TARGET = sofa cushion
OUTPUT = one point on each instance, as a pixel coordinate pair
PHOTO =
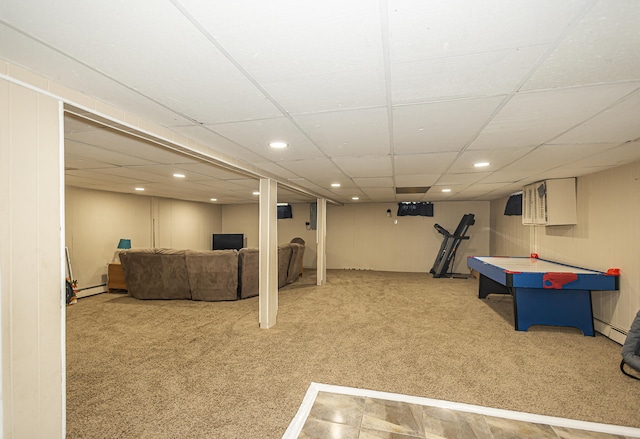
(213, 275)
(248, 272)
(156, 273)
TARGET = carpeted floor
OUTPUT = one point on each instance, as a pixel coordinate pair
(181, 369)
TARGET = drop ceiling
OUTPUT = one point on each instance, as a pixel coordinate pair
(374, 95)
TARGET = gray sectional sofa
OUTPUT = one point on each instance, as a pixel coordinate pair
(203, 275)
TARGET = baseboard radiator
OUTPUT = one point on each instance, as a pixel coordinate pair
(90, 291)
(613, 332)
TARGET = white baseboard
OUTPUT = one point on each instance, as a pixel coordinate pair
(91, 291)
(615, 334)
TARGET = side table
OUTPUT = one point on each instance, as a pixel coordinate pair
(115, 278)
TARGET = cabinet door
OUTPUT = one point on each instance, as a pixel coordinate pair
(561, 202)
(540, 195)
(528, 207)
(550, 202)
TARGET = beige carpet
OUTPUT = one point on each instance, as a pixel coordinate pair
(182, 369)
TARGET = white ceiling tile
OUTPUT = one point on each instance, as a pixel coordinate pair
(109, 175)
(276, 169)
(316, 73)
(70, 73)
(290, 39)
(373, 182)
(365, 166)
(485, 187)
(84, 155)
(423, 163)
(437, 127)
(330, 91)
(618, 123)
(379, 193)
(455, 179)
(615, 156)
(548, 157)
(510, 176)
(416, 180)
(497, 158)
(348, 133)
(147, 71)
(256, 135)
(602, 48)
(425, 30)
(82, 178)
(125, 144)
(477, 75)
(531, 119)
(217, 143)
(321, 172)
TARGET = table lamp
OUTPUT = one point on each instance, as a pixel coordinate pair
(123, 244)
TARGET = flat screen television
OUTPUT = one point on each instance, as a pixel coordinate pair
(228, 241)
(284, 211)
(514, 205)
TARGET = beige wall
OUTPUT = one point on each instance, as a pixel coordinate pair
(31, 264)
(96, 220)
(186, 224)
(508, 236)
(361, 236)
(606, 236)
(242, 218)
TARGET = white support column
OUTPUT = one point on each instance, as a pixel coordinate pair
(321, 239)
(31, 264)
(268, 253)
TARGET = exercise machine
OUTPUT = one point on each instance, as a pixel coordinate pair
(450, 242)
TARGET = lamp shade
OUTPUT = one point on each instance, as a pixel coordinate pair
(124, 244)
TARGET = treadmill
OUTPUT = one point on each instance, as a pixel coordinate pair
(450, 243)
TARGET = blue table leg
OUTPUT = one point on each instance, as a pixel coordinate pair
(539, 306)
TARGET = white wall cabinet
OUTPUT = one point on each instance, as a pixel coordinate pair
(550, 202)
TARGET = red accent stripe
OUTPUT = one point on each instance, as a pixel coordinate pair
(557, 281)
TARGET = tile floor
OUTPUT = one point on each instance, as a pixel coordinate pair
(360, 415)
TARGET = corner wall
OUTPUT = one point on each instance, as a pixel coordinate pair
(96, 220)
(606, 236)
(508, 236)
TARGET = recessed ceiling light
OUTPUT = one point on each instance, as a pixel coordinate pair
(355, 198)
(256, 193)
(278, 145)
(335, 184)
(481, 164)
(139, 188)
(446, 190)
(214, 199)
(179, 175)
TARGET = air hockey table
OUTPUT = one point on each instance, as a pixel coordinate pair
(544, 292)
